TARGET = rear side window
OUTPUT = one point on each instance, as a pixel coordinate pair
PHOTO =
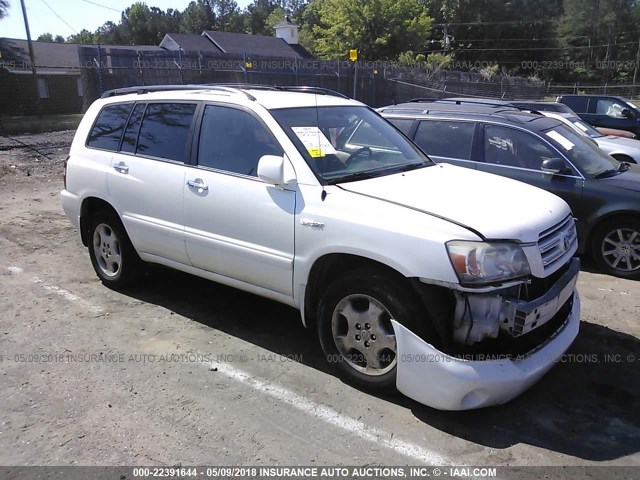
(577, 104)
(107, 131)
(165, 130)
(446, 139)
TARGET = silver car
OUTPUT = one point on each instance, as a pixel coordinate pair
(622, 149)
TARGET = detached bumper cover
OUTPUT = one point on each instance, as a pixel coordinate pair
(438, 380)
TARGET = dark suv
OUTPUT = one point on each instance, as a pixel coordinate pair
(605, 111)
(604, 194)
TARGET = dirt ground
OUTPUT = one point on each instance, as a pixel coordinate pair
(184, 371)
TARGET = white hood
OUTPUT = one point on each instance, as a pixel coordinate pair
(494, 206)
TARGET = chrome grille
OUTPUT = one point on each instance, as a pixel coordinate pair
(555, 242)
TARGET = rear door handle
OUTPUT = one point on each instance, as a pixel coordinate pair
(197, 183)
(121, 167)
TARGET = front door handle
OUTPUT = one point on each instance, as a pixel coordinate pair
(197, 183)
(121, 167)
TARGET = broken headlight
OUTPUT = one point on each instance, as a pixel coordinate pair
(480, 262)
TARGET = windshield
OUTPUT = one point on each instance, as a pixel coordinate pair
(583, 154)
(343, 144)
(632, 107)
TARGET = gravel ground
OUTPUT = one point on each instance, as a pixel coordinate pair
(247, 384)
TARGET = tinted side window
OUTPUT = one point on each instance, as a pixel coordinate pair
(514, 148)
(108, 128)
(403, 125)
(165, 130)
(577, 104)
(131, 133)
(610, 107)
(233, 140)
(446, 139)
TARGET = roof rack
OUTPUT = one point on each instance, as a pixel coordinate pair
(166, 88)
(284, 88)
(238, 88)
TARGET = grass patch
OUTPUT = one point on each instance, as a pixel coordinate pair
(33, 124)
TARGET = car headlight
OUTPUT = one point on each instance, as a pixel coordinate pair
(480, 262)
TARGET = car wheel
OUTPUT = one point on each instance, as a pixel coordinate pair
(112, 255)
(354, 326)
(616, 248)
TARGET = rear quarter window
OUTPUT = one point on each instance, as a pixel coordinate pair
(107, 131)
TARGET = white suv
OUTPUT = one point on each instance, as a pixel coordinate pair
(454, 286)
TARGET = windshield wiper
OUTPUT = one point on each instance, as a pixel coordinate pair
(351, 177)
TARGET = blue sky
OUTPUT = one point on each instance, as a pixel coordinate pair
(78, 14)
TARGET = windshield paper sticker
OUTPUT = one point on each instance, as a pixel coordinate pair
(316, 143)
(565, 142)
(580, 126)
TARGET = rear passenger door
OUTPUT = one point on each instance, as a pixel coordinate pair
(236, 225)
(449, 141)
(146, 177)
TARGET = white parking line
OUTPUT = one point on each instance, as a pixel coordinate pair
(67, 295)
(332, 417)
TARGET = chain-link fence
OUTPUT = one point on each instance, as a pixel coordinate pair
(62, 92)
(631, 92)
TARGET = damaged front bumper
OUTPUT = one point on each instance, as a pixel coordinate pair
(436, 379)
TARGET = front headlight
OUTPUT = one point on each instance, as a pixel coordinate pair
(480, 262)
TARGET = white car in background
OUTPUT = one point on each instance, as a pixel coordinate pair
(622, 149)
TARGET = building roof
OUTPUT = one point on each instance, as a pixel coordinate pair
(259, 45)
(51, 58)
(188, 42)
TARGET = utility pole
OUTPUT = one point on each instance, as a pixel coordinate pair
(32, 58)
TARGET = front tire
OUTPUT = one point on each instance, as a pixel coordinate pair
(354, 326)
(113, 257)
(616, 248)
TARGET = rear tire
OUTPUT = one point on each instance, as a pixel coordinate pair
(354, 326)
(616, 248)
(113, 257)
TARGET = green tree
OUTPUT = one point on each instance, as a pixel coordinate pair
(84, 36)
(602, 37)
(228, 17)
(378, 29)
(197, 17)
(146, 25)
(258, 13)
(59, 39)
(45, 37)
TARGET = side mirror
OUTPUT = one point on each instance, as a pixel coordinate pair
(627, 113)
(555, 166)
(275, 170)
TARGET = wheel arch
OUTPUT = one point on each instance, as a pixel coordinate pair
(89, 206)
(616, 215)
(330, 265)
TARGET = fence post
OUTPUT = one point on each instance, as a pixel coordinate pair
(605, 87)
